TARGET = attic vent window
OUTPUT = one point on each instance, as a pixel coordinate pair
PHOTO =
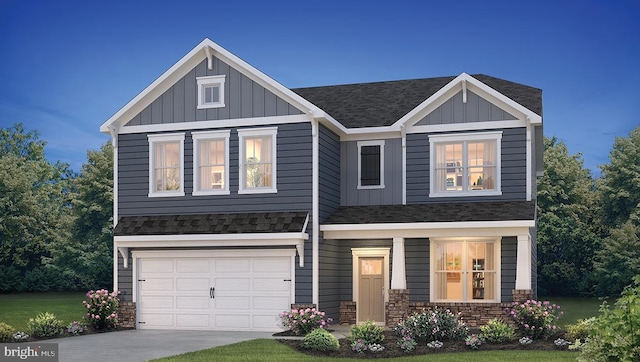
(211, 91)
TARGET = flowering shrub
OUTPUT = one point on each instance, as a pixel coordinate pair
(20, 336)
(45, 325)
(497, 331)
(368, 332)
(359, 346)
(435, 344)
(580, 330)
(436, 324)
(473, 341)
(302, 321)
(535, 319)
(75, 328)
(102, 308)
(6, 332)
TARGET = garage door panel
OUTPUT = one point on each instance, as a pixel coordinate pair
(272, 265)
(264, 321)
(232, 321)
(270, 303)
(193, 320)
(240, 303)
(156, 302)
(271, 284)
(156, 285)
(193, 284)
(199, 302)
(193, 265)
(156, 266)
(158, 320)
(232, 284)
(233, 265)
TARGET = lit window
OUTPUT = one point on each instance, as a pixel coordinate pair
(370, 164)
(211, 91)
(465, 165)
(257, 160)
(465, 271)
(166, 160)
(211, 162)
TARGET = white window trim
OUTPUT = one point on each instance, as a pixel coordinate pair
(371, 143)
(257, 132)
(209, 136)
(210, 81)
(450, 138)
(153, 139)
(432, 272)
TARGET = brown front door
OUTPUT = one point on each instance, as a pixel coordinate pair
(371, 294)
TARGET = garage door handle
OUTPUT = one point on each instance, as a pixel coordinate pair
(211, 290)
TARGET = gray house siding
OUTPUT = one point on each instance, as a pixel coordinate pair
(293, 178)
(477, 109)
(508, 249)
(513, 169)
(243, 98)
(330, 277)
(417, 268)
(329, 172)
(392, 191)
(125, 279)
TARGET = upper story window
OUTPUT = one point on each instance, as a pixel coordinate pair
(465, 165)
(211, 91)
(257, 160)
(370, 164)
(166, 165)
(210, 162)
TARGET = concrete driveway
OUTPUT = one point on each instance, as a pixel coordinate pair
(143, 345)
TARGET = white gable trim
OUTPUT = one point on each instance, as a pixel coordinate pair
(205, 50)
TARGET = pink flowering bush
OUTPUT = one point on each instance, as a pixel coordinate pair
(535, 319)
(433, 325)
(302, 321)
(102, 308)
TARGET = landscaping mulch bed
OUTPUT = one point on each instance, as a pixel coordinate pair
(87, 330)
(391, 348)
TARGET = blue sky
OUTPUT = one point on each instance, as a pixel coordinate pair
(67, 66)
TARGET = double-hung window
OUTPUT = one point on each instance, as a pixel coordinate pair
(370, 164)
(210, 162)
(211, 91)
(258, 160)
(166, 165)
(465, 165)
(465, 270)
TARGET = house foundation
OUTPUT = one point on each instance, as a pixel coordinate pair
(127, 315)
(347, 312)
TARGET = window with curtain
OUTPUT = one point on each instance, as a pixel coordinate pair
(166, 169)
(211, 162)
(466, 271)
(257, 168)
(465, 166)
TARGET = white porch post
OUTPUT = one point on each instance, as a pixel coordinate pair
(398, 276)
(523, 263)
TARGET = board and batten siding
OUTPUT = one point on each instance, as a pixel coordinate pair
(477, 109)
(512, 168)
(293, 178)
(329, 172)
(391, 194)
(243, 98)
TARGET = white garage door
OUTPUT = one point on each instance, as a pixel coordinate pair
(213, 292)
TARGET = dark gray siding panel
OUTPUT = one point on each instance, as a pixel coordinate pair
(390, 194)
(508, 249)
(513, 169)
(417, 269)
(477, 109)
(293, 178)
(125, 279)
(329, 172)
(329, 278)
(244, 98)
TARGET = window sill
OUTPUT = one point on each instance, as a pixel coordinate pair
(373, 187)
(166, 194)
(472, 301)
(465, 193)
(258, 191)
(208, 106)
(208, 193)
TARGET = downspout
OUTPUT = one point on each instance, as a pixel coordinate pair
(114, 142)
(315, 281)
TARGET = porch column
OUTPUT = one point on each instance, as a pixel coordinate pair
(523, 263)
(398, 276)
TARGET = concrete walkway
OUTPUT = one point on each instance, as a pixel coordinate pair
(143, 345)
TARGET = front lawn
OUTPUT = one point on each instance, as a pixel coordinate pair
(16, 309)
(272, 350)
(575, 308)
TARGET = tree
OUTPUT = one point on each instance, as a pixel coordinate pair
(618, 261)
(35, 209)
(86, 257)
(567, 238)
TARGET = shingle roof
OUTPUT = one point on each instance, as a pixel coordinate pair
(270, 222)
(434, 212)
(383, 103)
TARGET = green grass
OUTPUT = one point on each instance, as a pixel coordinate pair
(16, 309)
(575, 308)
(271, 350)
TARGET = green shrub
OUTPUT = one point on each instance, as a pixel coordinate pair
(6, 332)
(368, 332)
(615, 335)
(580, 330)
(535, 319)
(432, 325)
(45, 325)
(497, 331)
(320, 340)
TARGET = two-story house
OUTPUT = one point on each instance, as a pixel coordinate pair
(237, 198)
